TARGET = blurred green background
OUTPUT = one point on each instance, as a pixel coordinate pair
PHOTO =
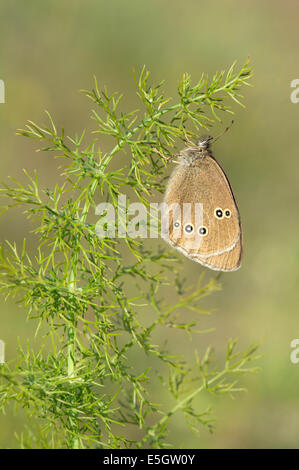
(51, 49)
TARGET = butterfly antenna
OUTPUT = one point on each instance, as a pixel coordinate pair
(222, 133)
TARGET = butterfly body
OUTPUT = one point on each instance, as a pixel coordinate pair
(203, 220)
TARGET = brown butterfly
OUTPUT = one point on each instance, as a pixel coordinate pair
(201, 217)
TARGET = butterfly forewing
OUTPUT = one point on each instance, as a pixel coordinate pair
(212, 235)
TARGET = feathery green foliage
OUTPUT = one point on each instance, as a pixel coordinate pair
(100, 301)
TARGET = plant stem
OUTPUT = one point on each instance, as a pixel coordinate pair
(71, 331)
(71, 364)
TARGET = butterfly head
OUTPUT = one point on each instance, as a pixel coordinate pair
(204, 142)
(194, 153)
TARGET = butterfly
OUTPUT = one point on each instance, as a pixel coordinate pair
(201, 218)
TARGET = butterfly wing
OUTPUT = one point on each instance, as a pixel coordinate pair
(215, 240)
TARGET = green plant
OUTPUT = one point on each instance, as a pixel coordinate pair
(99, 302)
